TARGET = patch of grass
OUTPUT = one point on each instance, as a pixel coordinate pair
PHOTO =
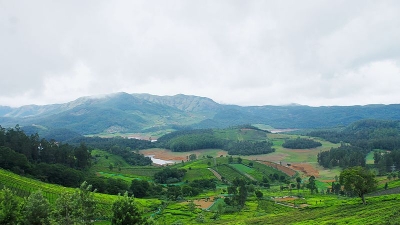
(228, 173)
(242, 168)
(24, 186)
(196, 174)
(327, 174)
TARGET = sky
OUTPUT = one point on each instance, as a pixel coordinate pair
(242, 52)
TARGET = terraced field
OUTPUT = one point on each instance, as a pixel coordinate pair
(23, 186)
(229, 173)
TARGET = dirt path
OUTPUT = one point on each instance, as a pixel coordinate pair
(216, 174)
(249, 176)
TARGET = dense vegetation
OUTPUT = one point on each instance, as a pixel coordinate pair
(58, 163)
(168, 175)
(343, 156)
(187, 140)
(108, 143)
(369, 134)
(301, 143)
(362, 137)
(387, 161)
(124, 147)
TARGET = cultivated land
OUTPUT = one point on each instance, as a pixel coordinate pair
(277, 206)
(303, 161)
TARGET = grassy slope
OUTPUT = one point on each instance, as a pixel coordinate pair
(379, 210)
(241, 134)
(199, 169)
(127, 172)
(23, 186)
(322, 209)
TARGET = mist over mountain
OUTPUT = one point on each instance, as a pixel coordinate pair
(122, 112)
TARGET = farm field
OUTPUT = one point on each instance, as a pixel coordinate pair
(276, 207)
(121, 169)
(165, 154)
(304, 161)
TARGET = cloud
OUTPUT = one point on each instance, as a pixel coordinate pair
(236, 52)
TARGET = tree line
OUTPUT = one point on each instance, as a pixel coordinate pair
(369, 134)
(301, 143)
(183, 141)
(387, 161)
(343, 156)
(358, 139)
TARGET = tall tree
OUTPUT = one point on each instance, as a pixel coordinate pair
(86, 204)
(75, 208)
(125, 211)
(82, 156)
(311, 184)
(9, 207)
(36, 210)
(358, 180)
(64, 209)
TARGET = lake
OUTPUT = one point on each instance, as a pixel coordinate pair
(159, 161)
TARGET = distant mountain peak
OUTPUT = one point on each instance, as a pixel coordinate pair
(293, 104)
(183, 102)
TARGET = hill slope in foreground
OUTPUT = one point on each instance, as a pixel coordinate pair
(274, 208)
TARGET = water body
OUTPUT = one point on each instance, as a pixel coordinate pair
(159, 161)
(276, 131)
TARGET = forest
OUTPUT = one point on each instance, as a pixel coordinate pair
(357, 140)
(301, 143)
(187, 140)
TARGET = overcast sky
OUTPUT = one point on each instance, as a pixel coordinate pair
(235, 52)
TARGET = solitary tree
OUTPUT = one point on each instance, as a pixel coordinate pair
(36, 210)
(75, 208)
(311, 184)
(298, 181)
(125, 211)
(259, 194)
(358, 180)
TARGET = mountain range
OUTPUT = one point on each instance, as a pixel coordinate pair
(123, 113)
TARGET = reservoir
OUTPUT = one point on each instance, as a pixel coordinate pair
(159, 161)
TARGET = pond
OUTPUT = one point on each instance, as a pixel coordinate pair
(159, 161)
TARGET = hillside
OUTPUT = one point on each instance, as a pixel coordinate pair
(143, 113)
(188, 103)
(209, 187)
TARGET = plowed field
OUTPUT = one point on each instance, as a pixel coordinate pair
(306, 168)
